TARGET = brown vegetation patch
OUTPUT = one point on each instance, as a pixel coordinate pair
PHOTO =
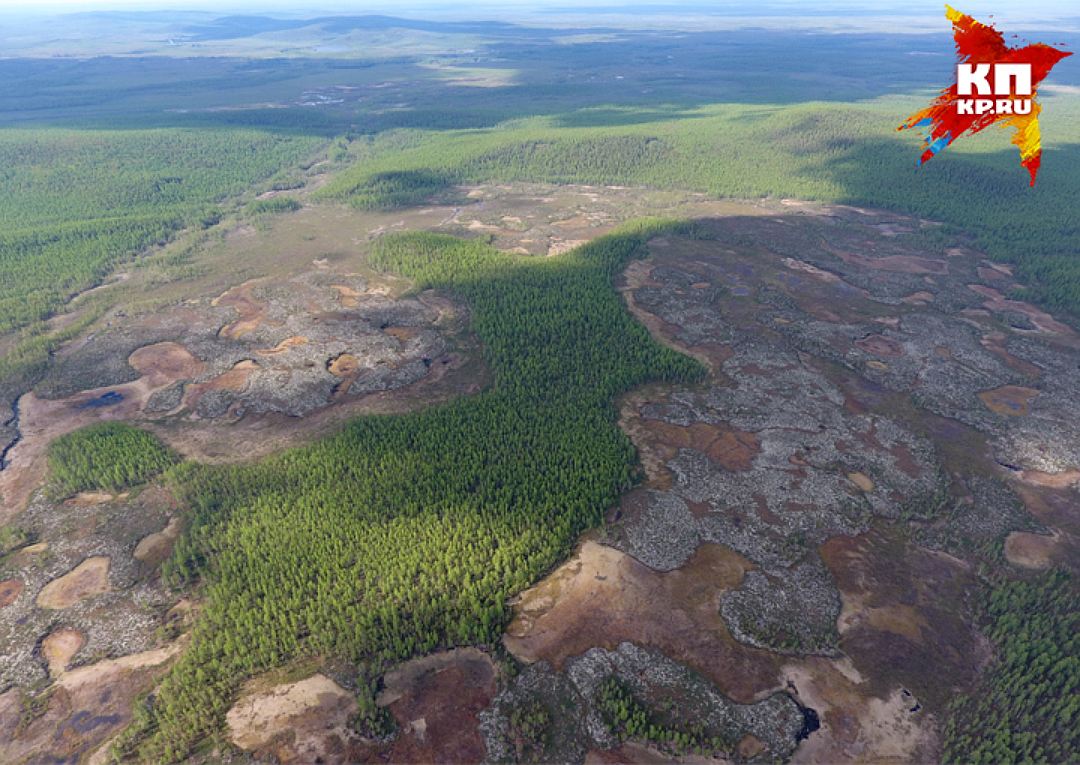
(603, 597)
(402, 334)
(906, 603)
(10, 590)
(898, 619)
(250, 311)
(879, 345)
(921, 297)
(817, 273)
(1010, 400)
(305, 721)
(731, 449)
(348, 368)
(559, 246)
(992, 275)
(103, 670)
(1035, 551)
(347, 296)
(578, 222)
(1046, 323)
(154, 548)
(634, 753)
(345, 365)
(905, 460)
(862, 481)
(84, 709)
(89, 578)
(995, 343)
(165, 363)
(234, 380)
(435, 700)
(284, 345)
(652, 453)
(901, 264)
(750, 746)
(1062, 480)
(89, 499)
(59, 647)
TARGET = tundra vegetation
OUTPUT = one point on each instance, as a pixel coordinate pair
(77, 203)
(814, 151)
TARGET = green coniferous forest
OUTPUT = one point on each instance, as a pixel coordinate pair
(108, 455)
(1027, 708)
(407, 533)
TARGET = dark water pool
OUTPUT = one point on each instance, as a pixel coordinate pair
(105, 399)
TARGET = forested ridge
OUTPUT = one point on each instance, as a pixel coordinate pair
(408, 533)
(823, 152)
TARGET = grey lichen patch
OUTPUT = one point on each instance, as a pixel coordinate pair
(665, 535)
(663, 685)
(820, 470)
(793, 610)
(543, 693)
(165, 400)
(264, 347)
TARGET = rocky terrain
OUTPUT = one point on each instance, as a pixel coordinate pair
(879, 422)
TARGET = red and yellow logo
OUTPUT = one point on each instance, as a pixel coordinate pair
(995, 85)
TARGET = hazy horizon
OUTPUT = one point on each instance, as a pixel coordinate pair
(919, 17)
(770, 7)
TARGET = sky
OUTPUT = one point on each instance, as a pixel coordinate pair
(885, 7)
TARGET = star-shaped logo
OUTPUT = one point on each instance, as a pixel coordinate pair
(996, 85)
